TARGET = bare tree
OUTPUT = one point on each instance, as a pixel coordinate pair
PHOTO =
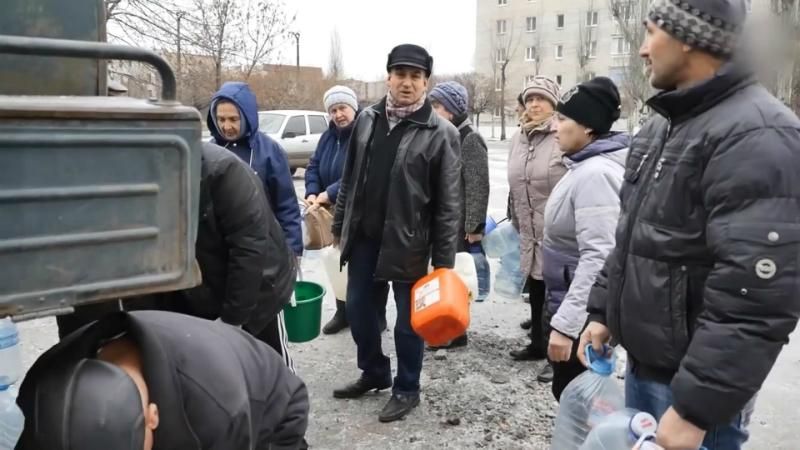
(635, 86)
(785, 52)
(587, 40)
(335, 58)
(504, 45)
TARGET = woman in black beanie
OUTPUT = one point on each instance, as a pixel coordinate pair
(581, 216)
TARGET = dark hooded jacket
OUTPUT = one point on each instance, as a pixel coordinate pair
(216, 387)
(702, 288)
(264, 155)
(324, 171)
(248, 270)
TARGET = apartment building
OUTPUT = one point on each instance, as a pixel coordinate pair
(568, 40)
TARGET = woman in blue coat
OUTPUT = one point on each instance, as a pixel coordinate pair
(324, 171)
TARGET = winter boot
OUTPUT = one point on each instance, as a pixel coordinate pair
(339, 320)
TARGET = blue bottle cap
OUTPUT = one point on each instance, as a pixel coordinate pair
(599, 364)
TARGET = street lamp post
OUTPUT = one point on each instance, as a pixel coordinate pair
(296, 36)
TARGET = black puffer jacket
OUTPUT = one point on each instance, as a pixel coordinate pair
(702, 288)
(248, 269)
(423, 211)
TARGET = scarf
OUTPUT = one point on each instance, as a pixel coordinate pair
(395, 113)
(531, 126)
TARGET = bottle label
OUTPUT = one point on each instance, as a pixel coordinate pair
(426, 295)
(9, 341)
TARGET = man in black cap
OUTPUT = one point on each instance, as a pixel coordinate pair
(702, 288)
(160, 380)
(399, 208)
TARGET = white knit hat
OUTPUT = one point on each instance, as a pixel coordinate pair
(340, 94)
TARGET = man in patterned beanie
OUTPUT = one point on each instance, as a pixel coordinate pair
(702, 288)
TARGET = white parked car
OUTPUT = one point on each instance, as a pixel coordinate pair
(297, 131)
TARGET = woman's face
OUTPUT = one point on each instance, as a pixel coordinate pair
(538, 107)
(570, 135)
(342, 115)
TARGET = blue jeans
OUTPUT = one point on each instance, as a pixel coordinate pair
(655, 398)
(484, 273)
(365, 297)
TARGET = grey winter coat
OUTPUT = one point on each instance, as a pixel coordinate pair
(475, 176)
(702, 289)
(534, 167)
(579, 224)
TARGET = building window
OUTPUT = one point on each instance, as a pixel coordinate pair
(530, 24)
(559, 79)
(592, 18)
(589, 75)
(502, 2)
(498, 84)
(620, 46)
(530, 54)
(559, 51)
(592, 49)
(501, 55)
(560, 21)
(501, 26)
(617, 75)
(528, 80)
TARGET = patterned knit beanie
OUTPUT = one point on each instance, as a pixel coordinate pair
(709, 25)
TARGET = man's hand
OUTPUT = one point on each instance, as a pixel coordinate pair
(473, 238)
(559, 348)
(595, 334)
(676, 433)
(311, 199)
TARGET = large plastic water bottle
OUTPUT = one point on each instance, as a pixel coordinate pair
(11, 418)
(621, 430)
(587, 401)
(10, 355)
(502, 240)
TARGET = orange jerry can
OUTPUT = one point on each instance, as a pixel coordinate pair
(440, 307)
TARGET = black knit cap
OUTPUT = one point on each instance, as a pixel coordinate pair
(90, 405)
(410, 55)
(594, 104)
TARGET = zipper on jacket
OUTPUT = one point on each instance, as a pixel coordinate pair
(632, 222)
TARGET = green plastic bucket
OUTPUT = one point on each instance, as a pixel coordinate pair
(304, 320)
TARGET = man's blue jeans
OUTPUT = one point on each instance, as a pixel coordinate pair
(655, 398)
(365, 297)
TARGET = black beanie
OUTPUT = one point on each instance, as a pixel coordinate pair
(594, 104)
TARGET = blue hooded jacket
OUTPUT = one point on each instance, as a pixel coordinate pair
(265, 156)
(324, 171)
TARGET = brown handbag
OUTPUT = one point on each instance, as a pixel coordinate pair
(318, 228)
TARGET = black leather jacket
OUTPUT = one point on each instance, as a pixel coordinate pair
(424, 200)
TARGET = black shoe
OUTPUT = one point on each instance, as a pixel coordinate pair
(361, 387)
(339, 320)
(546, 374)
(398, 407)
(528, 353)
(460, 341)
(526, 325)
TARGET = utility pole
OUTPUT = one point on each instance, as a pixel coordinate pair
(296, 35)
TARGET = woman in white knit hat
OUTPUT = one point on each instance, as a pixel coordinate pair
(324, 171)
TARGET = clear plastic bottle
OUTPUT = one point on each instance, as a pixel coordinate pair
(11, 418)
(10, 355)
(586, 402)
(621, 430)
